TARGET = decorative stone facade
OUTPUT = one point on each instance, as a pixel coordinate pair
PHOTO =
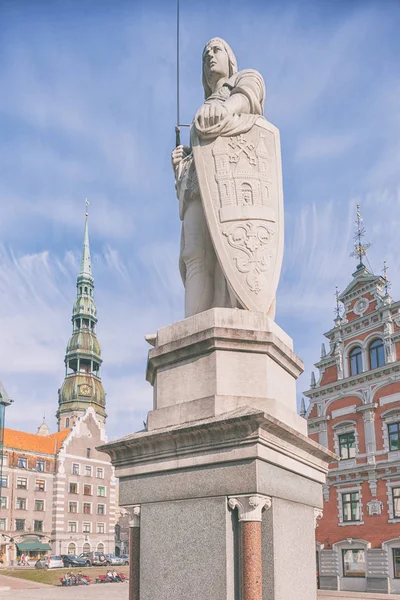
(354, 410)
(58, 489)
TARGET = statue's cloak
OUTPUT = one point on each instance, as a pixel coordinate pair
(239, 175)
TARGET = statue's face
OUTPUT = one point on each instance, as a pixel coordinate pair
(216, 62)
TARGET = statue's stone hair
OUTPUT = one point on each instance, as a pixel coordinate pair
(233, 68)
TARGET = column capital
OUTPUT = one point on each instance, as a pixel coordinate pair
(318, 513)
(250, 506)
(134, 514)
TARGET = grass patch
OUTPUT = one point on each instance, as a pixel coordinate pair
(52, 576)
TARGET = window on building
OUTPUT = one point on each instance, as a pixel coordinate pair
(21, 504)
(396, 502)
(39, 504)
(347, 445)
(100, 473)
(22, 462)
(5, 459)
(4, 481)
(87, 508)
(67, 425)
(118, 532)
(376, 354)
(73, 507)
(39, 487)
(73, 488)
(3, 502)
(20, 524)
(100, 527)
(86, 548)
(37, 525)
(396, 562)
(394, 436)
(71, 549)
(71, 526)
(86, 527)
(3, 524)
(351, 506)
(87, 452)
(88, 471)
(100, 548)
(101, 509)
(355, 361)
(75, 469)
(353, 563)
(22, 483)
(40, 465)
(87, 490)
(101, 490)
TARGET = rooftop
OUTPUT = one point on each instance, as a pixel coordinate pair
(32, 442)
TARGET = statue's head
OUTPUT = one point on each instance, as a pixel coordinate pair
(218, 62)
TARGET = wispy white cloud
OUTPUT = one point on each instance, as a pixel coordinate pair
(323, 147)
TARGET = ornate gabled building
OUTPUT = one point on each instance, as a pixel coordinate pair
(58, 492)
(354, 410)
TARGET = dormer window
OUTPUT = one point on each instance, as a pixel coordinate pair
(355, 361)
(376, 354)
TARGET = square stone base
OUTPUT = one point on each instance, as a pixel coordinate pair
(218, 361)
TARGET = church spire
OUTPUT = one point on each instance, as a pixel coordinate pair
(86, 265)
(82, 385)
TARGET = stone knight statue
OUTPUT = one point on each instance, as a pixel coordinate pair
(229, 186)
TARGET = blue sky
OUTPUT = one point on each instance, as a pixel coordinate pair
(87, 109)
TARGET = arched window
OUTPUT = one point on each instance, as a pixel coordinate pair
(67, 425)
(71, 549)
(100, 548)
(376, 354)
(86, 548)
(355, 361)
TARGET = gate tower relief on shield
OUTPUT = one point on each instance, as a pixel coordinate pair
(229, 186)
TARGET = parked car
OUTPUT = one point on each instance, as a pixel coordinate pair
(54, 562)
(125, 559)
(41, 563)
(72, 560)
(95, 558)
(112, 559)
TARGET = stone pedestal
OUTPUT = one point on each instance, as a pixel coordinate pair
(225, 477)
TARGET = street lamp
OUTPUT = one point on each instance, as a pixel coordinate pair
(4, 401)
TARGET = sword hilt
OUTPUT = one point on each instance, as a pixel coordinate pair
(177, 136)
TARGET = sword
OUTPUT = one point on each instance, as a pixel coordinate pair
(178, 120)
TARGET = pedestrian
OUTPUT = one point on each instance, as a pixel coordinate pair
(81, 578)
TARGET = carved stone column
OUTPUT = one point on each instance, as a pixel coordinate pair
(134, 553)
(250, 517)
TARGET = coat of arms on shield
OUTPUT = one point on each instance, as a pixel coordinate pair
(240, 180)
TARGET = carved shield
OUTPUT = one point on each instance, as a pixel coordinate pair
(240, 180)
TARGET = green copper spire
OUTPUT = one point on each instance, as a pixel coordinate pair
(82, 385)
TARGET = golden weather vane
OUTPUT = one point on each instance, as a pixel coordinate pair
(360, 249)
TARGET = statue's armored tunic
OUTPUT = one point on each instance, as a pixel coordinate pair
(234, 102)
